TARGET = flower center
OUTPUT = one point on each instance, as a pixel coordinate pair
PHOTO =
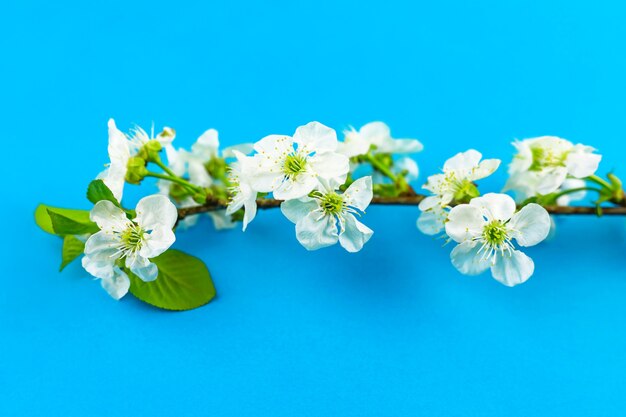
(495, 233)
(332, 204)
(294, 165)
(132, 239)
(546, 158)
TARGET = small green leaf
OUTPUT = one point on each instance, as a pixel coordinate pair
(63, 225)
(44, 221)
(98, 191)
(72, 249)
(184, 283)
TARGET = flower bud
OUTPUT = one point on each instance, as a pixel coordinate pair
(217, 168)
(150, 151)
(136, 170)
(200, 197)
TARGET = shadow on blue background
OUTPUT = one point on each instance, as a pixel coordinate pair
(390, 331)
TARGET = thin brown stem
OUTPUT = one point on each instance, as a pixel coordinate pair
(411, 199)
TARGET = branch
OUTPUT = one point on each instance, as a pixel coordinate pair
(404, 200)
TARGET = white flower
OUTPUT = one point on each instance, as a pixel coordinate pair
(131, 243)
(376, 136)
(542, 164)
(241, 192)
(485, 229)
(293, 167)
(122, 148)
(456, 181)
(328, 216)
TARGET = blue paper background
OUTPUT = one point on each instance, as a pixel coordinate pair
(393, 330)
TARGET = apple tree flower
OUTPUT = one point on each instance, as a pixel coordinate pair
(241, 192)
(292, 167)
(326, 216)
(376, 137)
(542, 165)
(123, 147)
(485, 230)
(456, 183)
(124, 243)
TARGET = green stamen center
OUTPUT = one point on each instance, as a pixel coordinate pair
(132, 238)
(294, 165)
(332, 203)
(495, 233)
(546, 158)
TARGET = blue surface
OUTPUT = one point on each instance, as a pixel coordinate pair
(391, 331)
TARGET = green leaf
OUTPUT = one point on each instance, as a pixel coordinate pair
(72, 249)
(184, 283)
(98, 191)
(44, 220)
(63, 225)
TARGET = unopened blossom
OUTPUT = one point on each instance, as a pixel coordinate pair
(122, 148)
(327, 216)
(455, 183)
(376, 137)
(292, 167)
(241, 192)
(542, 165)
(485, 230)
(122, 242)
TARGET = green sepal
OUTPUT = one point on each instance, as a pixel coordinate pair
(98, 191)
(72, 249)
(184, 283)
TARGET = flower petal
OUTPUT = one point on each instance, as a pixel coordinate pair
(221, 220)
(513, 269)
(156, 211)
(432, 222)
(530, 225)
(207, 145)
(331, 166)
(485, 168)
(157, 242)
(297, 187)
(464, 223)
(355, 234)
(359, 194)
(407, 165)
(551, 179)
(315, 137)
(145, 270)
(108, 216)
(495, 206)
(296, 210)
(463, 161)
(117, 285)
(315, 231)
(274, 145)
(581, 162)
(353, 144)
(467, 260)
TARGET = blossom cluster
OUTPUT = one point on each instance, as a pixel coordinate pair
(324, 186)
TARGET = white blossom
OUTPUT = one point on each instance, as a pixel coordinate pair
(328, 216)
(456, 181)
(241, 191)
(542, 165)
(292, 167)
(121, 148)
(129, 243)
(485, 229)
(376, 136)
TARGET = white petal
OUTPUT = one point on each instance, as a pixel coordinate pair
(353, 144)
(315, 137)
(243, 148)
(157, 242)
(551, 179)
(119, 148)
(530, 225)
(467, 260)
(299, 187)
(331, 166)
(463, 161)
(166, 137)
(156, 211)
(266, 182)
(359, 194)
(355, 234)
(175, 160)
(296, 210)
(581, 162)
(198, 174)
(117, 285)
(464, 223)
(409, 165)
(432, 222)
(98, 268)
(249, 212)
(274, 145)
(222, 221)
(102, 246)
(400, 146)
(429, 203)
(513, 269)
(144, 269)
(315, 231)
(375, 133)
(485, 168)
(495, 206)
(207, 145)
(108, 216)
